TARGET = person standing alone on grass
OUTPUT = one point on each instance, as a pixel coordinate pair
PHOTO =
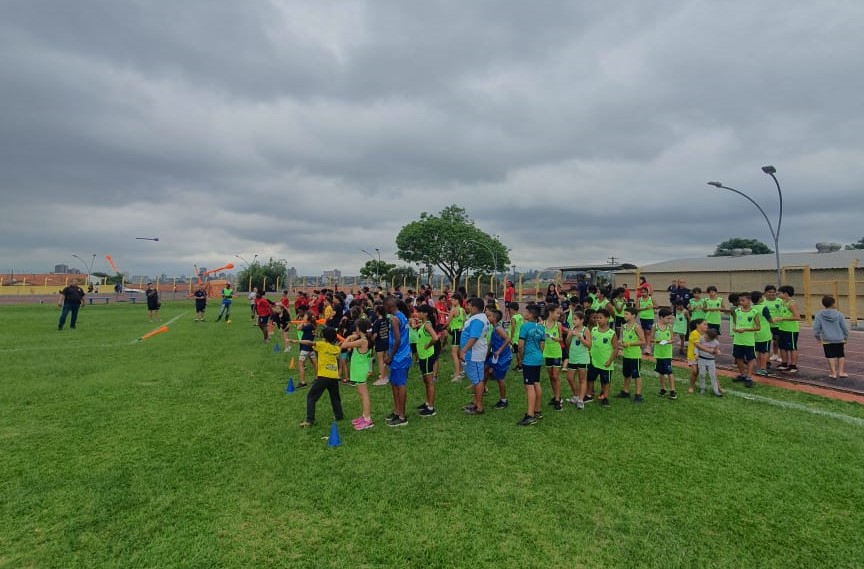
(227, 297)
(153, 303)
(71, 300)
(473, 348)
(829, 327)
(328, 375)
(200, 297)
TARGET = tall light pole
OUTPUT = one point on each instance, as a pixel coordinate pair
(494, 258)
(88, 268)
(775, 234)
(373, 260)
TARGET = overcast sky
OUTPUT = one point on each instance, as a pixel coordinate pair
(311, 130)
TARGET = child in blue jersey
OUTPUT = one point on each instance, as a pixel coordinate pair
(532, 337)
(500, 355)
(398, 358)
(473, 349)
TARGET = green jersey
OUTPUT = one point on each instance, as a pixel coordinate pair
(663, 333)
(516, 326)
(458, 321)
(764, 333)
(361, 363)
(629, 335)
(745, 319)
(774, 307)
(680, 325)
(697, 308)
(646, 308)
(618, 305)
(786, 312)
(552, 346)
(602, 347)
(713, 316)
(578, 353)
(423, 338)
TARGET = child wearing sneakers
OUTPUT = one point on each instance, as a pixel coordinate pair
(473, 349)
(328, 375)
(662, 335)
(604, 350)
(789, 325)
(829, 327)
(500, 356)
(360, 363)
(744, 342)
(516, 320)
(632, 340)
(707, 349)
(699, 328)
(578, 358)
(426, 340)
(681, 326)
(763, 336)
(532, 337)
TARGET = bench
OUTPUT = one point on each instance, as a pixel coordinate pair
(107, 299)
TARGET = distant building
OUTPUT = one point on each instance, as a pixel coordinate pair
(332, 275)
(61, 269)
(291, 274)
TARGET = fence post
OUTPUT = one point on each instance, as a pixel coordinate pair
(478, 286)
(520, 286)
(805, 276)
(852, 294)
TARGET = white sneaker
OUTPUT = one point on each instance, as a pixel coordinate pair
(775, 358)
(574, 400)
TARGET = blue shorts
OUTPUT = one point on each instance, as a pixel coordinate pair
(500, 369)
(553, 362)
(663, 366)
(473, 371)
(647, 325)
(399, 377)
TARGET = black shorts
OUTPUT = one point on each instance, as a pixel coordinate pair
(437, 346)
(763, 347)
(455, 337)
(428, 365)
(715, 327)
(630, 367)
(834, 350)
(515, 348)
(573, 366)
(552, 362)
(663, 366)
(414, 349)
(746, 353)
(788, 341)
(619, 321)
(200, 306)
(382, 345)
(530, 374)
(595, 373)
(647, 325)
(775, 333)
(263, 320)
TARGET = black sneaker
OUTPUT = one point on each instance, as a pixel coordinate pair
(421, 407)
(623, 395)
(538, 415)
(473, 411)
(557, 405)
(588, 399)
(391, 416)
(552, 402)
(638, 399)
(428, 412)
(662, 393)
(302, 385)
(397, 422)
(502, 404)
(783, 367)
(673, 394)
(526, 421)
(604, 401)
(748, 383)
(793, 369)
(739, 379)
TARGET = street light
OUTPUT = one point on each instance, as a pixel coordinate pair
(377, 280)
(89, 268)
(775, 235)
(494, 259)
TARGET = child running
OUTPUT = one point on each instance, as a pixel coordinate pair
(426, 340)
(531, 340)
(604, 350)
(578, 358)
(263, 309)
(328, 376)
(361, 362)
(662, 335)
(500, 356)
(227, 298)
(632, 340)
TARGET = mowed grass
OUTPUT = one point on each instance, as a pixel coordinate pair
(184, 451)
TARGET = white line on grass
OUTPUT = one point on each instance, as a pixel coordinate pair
(797, 406)
(172, 321)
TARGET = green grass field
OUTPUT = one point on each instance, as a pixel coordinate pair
(184, 451)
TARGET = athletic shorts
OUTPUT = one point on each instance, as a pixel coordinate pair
(499, 370)
(428, 365)
(663, 366)
(595, 373)
(473, 371)
(436, 348)
(715, 327)
(530, 374)
(775, 333)
(574, 366)
(553, 362)
(746, 353)
(399, 376)
(834, 350)
(630, 367)
(763, 347)
(619, 321)
(647, 325)
(381, 345)
(343, 354)
(788, 340)
(455, 337)
(307, 354)
(515, 348)
(263, 320)
(414, 349)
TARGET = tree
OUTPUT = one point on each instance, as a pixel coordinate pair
(258, 274)
(377, 270)
(857, 245)
(451, 242)
(403, 274)
(726, 248)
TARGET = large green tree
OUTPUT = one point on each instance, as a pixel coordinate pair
(377, 269)
(451, 242)
(726, 248)
(262, 275)
(857, 245)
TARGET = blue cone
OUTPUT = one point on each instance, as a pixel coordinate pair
(333, 440)
(290, 387)
(276, 347)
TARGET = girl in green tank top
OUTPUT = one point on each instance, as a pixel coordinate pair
(360, 367)
(579, 358)
(456, 321)
(552, 352)
(426, 339)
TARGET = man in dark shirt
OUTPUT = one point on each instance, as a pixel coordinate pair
(71, 299)
(678, 292)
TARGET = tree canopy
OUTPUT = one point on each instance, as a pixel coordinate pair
(377, 269)
(726, 249)
(451, 242)
(857, 245)
(272, 273)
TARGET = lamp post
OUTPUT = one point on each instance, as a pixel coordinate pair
(775, 234)
(373, 260)
(494, 258)
(88, 268)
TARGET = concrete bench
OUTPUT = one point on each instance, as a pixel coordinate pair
(105, 299)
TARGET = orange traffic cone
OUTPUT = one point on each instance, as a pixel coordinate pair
(292, 364)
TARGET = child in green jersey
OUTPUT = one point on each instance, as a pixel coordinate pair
(696, 306)
(426, 339)
(604, 350)
(789, 324)
(516, 320)
(645, 304)
(553, 352)
(578, 358)
(773, 303)
(361, 362)
(681, 326)
(763, 336)
(631, 342)
(744, 342)
(713, 306)
(662, 335)
(454, 324)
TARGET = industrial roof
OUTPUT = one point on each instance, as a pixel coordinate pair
(836, 260)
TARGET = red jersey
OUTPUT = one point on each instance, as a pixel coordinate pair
(262, 307)
(509, 293)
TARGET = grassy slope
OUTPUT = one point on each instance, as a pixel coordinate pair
(184, 450)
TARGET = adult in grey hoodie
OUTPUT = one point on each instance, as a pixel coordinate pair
(829, 327)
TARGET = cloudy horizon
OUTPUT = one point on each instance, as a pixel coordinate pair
(310, 131)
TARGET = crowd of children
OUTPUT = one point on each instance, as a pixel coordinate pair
(580, 338)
